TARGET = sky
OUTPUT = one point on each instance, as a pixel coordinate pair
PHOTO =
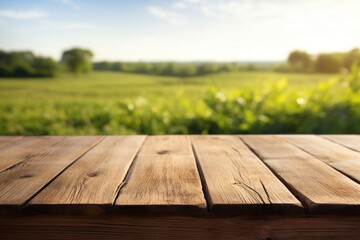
(180, 30)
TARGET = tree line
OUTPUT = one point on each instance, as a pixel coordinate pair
(27, 64)
(173, 68)
(301, 61)
(78, 60)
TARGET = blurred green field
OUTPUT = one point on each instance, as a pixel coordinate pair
(100, 86)
(228, 103)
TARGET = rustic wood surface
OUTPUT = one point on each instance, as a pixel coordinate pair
(6, 140)
(26, 148)
(33, 171)
(164, 177)
(215, 186)
(236, 179)
(178, 227)
(339, 157)
(320, 187)
(350, 141)
(93, 182)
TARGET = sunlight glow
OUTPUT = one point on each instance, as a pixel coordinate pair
(220, 30)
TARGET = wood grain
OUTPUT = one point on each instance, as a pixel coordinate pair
(339, 157)
(35, 169)
(91, 184)
(163, 178)
(350, 141)
(322, 188)
(24, 149)
(237, 181)
(6, 140)
(175, 227)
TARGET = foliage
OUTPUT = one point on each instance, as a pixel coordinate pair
(352, 58)
(178, 69)
(327, 63)
(300, 61)
(26, 64)
(282, 106)
(78, 60)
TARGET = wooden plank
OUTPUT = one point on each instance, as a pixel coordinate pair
(339, 157)
(22, 181)
(350, 141)
(91, 184)
(23, 149)
(163, 179)
(237, 181)
(322, 188)
(179, 227)
(4, 140)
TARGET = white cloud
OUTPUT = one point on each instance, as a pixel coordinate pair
(179, 5)
(182, 4)
(258, 29)
(70, 25)
(69, 3)
(256, 11)
(171, 17)
(23, 15)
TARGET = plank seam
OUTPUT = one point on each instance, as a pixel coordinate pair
(302, 198)
(204, 186)
(339, 143)
(127, 175)
(338, 170)
(63, 170)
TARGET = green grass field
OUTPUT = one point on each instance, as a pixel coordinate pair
(101, 86)
(237, 102)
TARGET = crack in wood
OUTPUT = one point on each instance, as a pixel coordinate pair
(252, 190)
(266, 192)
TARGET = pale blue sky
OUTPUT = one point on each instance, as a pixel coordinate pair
(183, 30)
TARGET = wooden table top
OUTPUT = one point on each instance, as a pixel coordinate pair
(181, 174)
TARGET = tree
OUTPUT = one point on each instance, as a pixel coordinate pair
(327, 63)
(351, 58)
(300, 60)
(78, 60)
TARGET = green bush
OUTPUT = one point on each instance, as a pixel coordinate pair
(26, 64)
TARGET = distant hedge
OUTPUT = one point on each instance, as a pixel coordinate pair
(301, 61)
(176, 69)
(26, 64)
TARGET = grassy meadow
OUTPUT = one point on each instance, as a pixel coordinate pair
(234, 102)
(114, 86)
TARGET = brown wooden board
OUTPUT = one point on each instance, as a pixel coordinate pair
(25, 148)
(36, 169)
(6, 140)
(177, 227)
(163, 179)
(237, 181)
(337, 156)
(91, 184)
(320, 187)
(350, 141)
